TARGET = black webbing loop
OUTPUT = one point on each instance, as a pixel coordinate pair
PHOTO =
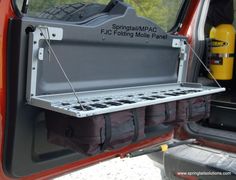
(107, 132)
(206, 107)
(136, 125)
(190, 109)
(167, 112)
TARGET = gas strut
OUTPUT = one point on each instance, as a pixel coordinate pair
(163, 148)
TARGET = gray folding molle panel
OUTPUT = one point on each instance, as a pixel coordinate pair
(115, 62)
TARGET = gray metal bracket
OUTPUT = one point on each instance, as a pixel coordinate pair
(120, 99)
(36, 53)
(109, 100)
(183, 58)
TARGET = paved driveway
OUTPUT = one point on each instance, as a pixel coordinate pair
(139, 168)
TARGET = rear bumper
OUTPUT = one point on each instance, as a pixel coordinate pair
(196, 162)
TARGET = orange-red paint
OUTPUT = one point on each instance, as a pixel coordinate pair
(189, 18)
(216, 145)
(6, 12)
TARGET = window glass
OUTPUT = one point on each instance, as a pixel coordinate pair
(162, 12)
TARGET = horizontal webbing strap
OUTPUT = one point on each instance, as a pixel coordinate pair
(221, 55)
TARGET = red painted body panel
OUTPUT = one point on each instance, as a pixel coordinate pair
(189, 19)
(6, 12)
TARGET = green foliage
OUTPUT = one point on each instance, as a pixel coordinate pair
(162, 12)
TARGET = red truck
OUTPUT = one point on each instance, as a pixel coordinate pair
(81, 83)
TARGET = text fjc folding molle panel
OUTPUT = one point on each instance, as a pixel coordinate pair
(107, 64)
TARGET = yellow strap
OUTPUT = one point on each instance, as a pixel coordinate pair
(164, 147)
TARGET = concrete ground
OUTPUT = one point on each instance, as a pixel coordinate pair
(139, 168)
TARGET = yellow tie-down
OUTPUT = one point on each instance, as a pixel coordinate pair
(222, 51)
